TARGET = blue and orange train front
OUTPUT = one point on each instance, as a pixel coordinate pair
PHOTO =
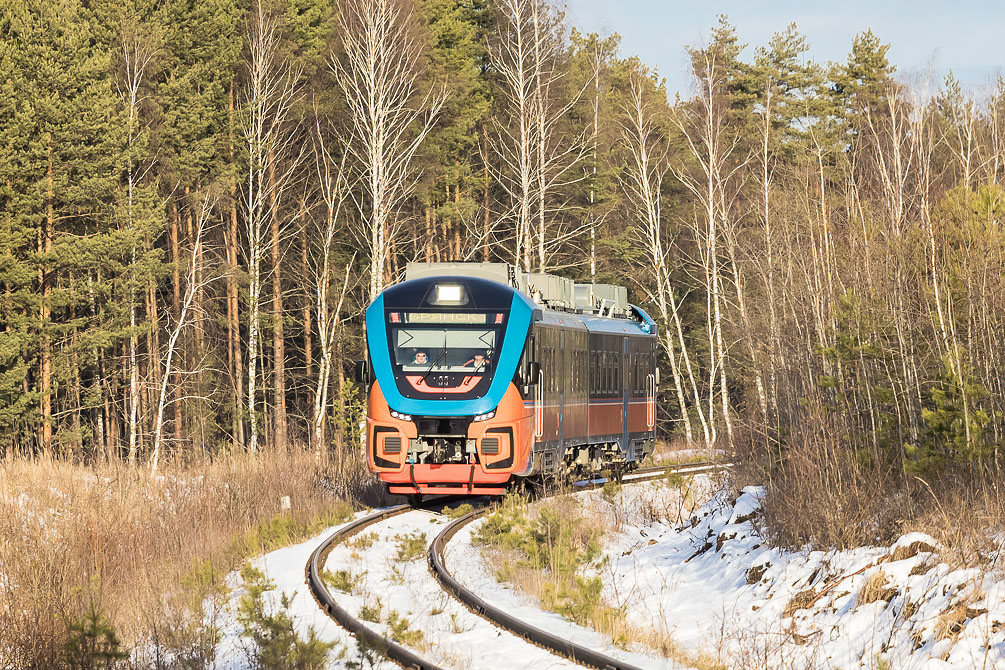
(445, 413)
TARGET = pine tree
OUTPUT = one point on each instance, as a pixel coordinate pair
(60, 167)
(449, 191)
(193, 143)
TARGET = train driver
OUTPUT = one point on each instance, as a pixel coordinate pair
(479, 361)
(420, 358)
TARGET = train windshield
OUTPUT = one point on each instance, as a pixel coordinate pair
(445, 352)
(466, 350)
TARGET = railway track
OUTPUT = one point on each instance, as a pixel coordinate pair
(407, 658)
(389, 648)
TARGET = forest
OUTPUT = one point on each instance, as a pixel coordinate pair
(198, 200)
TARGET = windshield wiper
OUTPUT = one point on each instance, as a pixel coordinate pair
(434, 364)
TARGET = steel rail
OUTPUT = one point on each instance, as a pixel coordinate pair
(409, 659)
(554, 643)
(562, 646)
(386, 646)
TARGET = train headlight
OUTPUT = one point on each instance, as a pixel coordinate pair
(486, 416)
(448, 295)
(401, 417)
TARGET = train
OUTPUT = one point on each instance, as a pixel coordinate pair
(481, 377)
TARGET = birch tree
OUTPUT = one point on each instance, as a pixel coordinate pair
(536, 159)
(327, 299)
(710, 148)
(378, 73)
(271, 90)
(195, 281)
(137, 53)
(646, 170)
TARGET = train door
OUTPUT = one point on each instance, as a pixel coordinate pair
(651, 382)
(561, 372)
(551, 369)
(624, 388)
(536, 384)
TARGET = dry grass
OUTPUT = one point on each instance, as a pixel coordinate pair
(876, 588)
(963, 512)
(145, 552)
(822, 495)
(678, 450)
(799, 601)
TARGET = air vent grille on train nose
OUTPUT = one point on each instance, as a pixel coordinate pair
(490, 446)
(392, 445)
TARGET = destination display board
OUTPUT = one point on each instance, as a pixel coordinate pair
(468, 318)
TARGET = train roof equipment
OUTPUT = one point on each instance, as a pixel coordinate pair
(547, 290)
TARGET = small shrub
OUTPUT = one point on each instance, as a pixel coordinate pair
(455, 625)
(363, 541)
(367, 656)
(400, 631)
(610, 489)
(674, 478)
(342, 580)
(457, 512)
(92, 643)
(276, 642)
(371, 612)
(410, 546)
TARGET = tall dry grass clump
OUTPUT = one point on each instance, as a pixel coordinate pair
(820, 493)
(146, 553)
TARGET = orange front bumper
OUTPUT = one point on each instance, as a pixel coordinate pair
(504, 445)
(458, 478)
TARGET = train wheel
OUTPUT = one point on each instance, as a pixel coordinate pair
(415, 499)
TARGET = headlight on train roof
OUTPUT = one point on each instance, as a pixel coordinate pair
(401, 417)
(449, 294)
(485, 417)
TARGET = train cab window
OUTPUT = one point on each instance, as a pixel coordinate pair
(419, 350)
(444, 352)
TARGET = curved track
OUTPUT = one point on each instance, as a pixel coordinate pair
(394, 651)
(562, 646)
(407, 658)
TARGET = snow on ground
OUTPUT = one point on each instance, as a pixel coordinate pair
(708, 579)
(720, 591)
(452, 635)
(467, 566)
(287, 569)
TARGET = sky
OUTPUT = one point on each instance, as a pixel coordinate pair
(965, 36)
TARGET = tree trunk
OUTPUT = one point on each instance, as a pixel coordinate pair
(485, 198)
(174, 382)
(306, 308)
(45, 236)
(233, 306)
(278, 340)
